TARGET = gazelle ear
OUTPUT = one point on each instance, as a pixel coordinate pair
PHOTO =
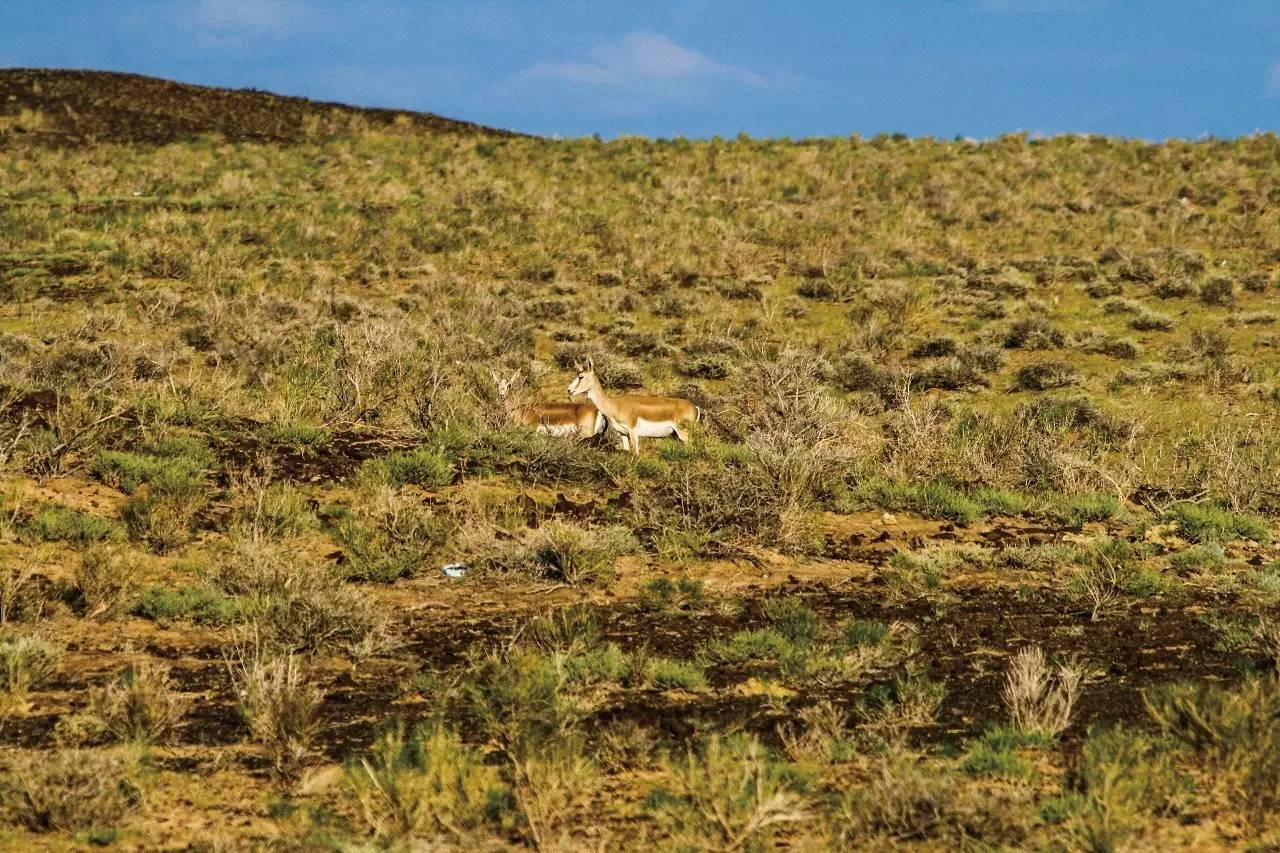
(591, 363)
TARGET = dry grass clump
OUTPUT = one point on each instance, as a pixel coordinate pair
(1040, 700)
(106, 581)
(27, 662)
(422, 786)
(69, 789)
(729, 794)
(140, 706)
(280, 704)
(293, 605)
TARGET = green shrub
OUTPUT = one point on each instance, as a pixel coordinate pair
(659, 594)
(865, 632)
(53, 522)
(163, 515)
(666, 674)
(728, 795)
(424, 786)
(1078, 510)
(995, 753)
(519, 698)
(601, 664)
(200, 605)
(793, 619)
(424, 467)
(1209, 523)
(752, 644)
(1208, 556)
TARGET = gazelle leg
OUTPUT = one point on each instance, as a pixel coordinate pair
(624, 441)
(635, 443)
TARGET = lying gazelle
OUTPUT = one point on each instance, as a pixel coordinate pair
(565, 420)
(636, 416)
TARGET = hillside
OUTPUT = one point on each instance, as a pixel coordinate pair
(976, 547)
(65, 107)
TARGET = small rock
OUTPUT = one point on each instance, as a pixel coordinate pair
(888, 518)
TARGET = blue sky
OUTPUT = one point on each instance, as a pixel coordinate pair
(698, 68)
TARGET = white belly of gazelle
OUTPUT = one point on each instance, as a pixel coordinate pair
(653, 429)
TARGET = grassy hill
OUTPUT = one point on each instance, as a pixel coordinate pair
(974, 548)
(73, 108)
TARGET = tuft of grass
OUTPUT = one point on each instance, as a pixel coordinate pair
(279, 703)
(729, 794)
(1078, 510)
(662, 594)
(666, 674)
(140, 706)
(422, 786)
(198, 604)
(27, 661)
(425, 467)
(53, 522)
(1205, 523)
(68, 790)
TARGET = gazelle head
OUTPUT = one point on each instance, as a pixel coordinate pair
(585, 381)
(504, 385)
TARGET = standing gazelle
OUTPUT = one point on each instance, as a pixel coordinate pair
(636, 416)
(566, 420)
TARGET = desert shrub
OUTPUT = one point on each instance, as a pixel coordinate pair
(139, 706)
(69, 789)
(390, 536)
(271, 510)
(1124, 776)
(200, 605)
(660, 594)
(579, 555)
(1217, 291)
(995, 753)
(548, 781)
(1146, 320)
(294, 606)
(1044, 376)
(1210, 523)
(819, 735)
(793, 619)
(901, 798)
(1034, 333)
(52, 522)
(425, 467)
(28, 661)
(1208, 556)
(421, 786)
(163, 512)
(910, 574)
(1077, 510)
(1040, 700)
(801, 437)
(666, 674)
(105, 581)
(279, 703)
(729, 794)
(22, 596)
(520, 699)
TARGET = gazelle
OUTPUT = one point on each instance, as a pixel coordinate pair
(636, 416)
(566, 420)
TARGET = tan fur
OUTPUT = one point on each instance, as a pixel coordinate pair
(630, 414)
